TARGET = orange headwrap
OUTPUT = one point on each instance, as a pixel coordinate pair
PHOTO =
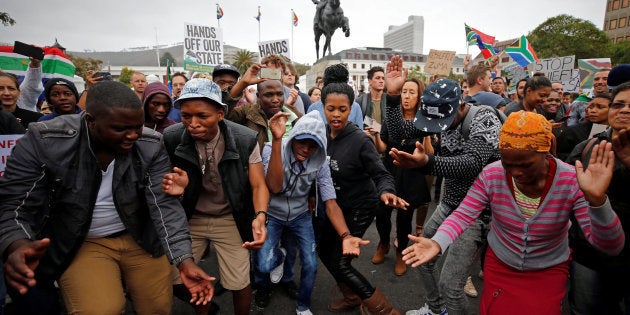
(526, 131)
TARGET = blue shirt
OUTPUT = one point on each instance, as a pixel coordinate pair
(356, 116)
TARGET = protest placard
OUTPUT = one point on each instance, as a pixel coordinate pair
(439, 62)
(203, 47)
(514, 73)
(560, 69)
(7, 142)
(275, 47)
(588, 68)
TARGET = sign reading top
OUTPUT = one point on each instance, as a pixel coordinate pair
(203, 47)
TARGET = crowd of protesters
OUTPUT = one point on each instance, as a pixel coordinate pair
(117, 192)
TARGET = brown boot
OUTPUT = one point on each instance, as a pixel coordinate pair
(381, 251)
(378, 304)
(400, 268)
(350, 300)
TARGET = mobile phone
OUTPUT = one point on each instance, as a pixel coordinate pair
(106, 76)
(28, 50)
(268, 73)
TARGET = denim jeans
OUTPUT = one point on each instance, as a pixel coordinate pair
(448, 291)
(599, 291)
(270, 256)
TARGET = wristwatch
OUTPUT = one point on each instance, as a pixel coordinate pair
(262, 212)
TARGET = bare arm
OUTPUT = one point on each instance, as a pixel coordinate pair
(261, 201)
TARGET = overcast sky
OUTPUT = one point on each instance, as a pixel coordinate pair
(112, 25)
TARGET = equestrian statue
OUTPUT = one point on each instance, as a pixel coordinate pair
(328, 17)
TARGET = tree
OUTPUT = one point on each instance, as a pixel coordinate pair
(165, 56)
(83, 65)
(565, 35)
(6, 19)
(415, 73)
(243, 59)
(125, 75)
(620, 52)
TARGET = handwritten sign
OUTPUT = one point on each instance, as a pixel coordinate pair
(439, 62)
(203, 47)
(560, 69)
(7, 142)
(274, 47)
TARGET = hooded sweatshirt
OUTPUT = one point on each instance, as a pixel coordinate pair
(149, 91)
(292, 200)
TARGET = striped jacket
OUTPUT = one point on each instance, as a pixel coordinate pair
(541, 241)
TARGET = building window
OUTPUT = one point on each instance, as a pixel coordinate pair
(413, 58)
(623, 21)
(354, 66)
(405, 58)
(613, 24)
(349, 55)
(608, 6)
(615, 5)
(373, 57)
(357, 56)
(625, 3)
(505, 59)
(362, 66)
(605, 25)
(457, 70)
(382, 56)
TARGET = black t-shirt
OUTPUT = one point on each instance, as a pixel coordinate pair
(26, 116)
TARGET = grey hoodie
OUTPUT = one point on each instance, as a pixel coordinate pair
(293, 198)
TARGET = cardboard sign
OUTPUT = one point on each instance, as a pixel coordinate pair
(588, 68)
(440, 62)
(560, 69)
(203, 47)
(7, 142)
(275, 47)
(514, 73)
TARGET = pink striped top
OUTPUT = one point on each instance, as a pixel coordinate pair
(542, 240)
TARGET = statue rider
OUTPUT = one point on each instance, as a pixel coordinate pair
(321, 4)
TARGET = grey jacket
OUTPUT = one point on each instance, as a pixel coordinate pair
(50, 186)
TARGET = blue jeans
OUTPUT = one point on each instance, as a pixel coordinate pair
(270, 256)
(449, 290)
(599, 291)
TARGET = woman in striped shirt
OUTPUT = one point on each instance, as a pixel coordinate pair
(531, 195)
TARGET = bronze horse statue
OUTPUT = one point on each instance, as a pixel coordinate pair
(328, 17)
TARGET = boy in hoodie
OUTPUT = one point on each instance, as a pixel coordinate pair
(62, 95)
(292, 165)
(157, 102)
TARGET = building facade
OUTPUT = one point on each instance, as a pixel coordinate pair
(617, 20)
(408, 37)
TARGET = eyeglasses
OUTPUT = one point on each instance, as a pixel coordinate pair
(618, 105)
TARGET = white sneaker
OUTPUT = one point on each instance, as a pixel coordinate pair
(305, 312)
(425, 310)
(276, 274)
(469, 288)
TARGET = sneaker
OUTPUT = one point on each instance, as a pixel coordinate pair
(425, 310)
(304, 312)
(262, 297)
(290, 289)
(276, 274)
(469, 288)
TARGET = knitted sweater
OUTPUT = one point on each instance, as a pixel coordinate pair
(541, 241)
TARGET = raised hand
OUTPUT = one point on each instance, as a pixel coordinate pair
(278, 124)
(293, 95)
(419, 158)
(251, 75)
(392, 200)
(395, 75)
(19, 268)
(421, 251)
(595, 179)
(175, 183)
(351, 245)
(198, 283)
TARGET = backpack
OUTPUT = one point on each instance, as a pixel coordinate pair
(474, 108)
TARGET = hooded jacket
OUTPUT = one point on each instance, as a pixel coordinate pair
(292, 201)
(149, 91)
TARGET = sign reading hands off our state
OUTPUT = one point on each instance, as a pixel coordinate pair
(7, 142)
(560, 69)
(439, 62)
(203, 47)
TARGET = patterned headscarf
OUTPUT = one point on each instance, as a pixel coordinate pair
(526, 131)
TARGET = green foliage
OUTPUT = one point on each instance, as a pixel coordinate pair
(565, 35)
(6, 20)
(414, 72)
(83, 65)
(620, 52)
(301, 69)
(165, 56)
(125, 75)
(243, 60)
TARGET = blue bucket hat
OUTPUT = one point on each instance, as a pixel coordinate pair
(201, 88)
(440, 102)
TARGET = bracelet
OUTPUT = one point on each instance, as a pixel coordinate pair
(344, 235)
(262, 212)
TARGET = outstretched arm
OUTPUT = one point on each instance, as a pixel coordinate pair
(22, 261)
